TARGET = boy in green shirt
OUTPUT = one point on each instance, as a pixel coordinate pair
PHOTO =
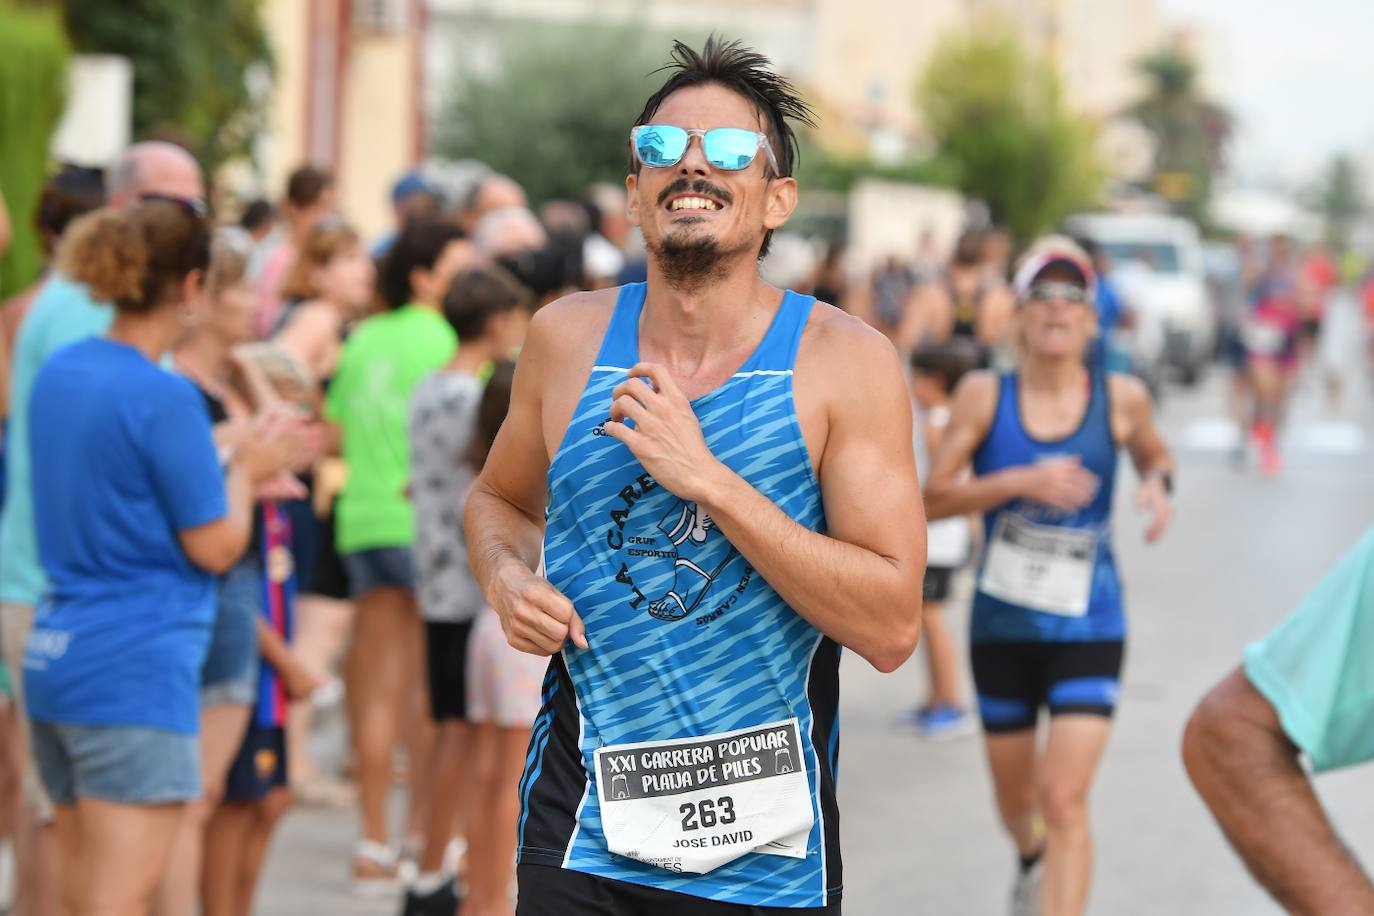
(369, 399)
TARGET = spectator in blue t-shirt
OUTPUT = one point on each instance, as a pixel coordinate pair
(134, 516)
(63, 312)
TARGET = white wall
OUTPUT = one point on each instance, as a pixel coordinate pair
(888, 218)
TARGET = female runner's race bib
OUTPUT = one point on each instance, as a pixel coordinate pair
(1040, 567)
(694, 804)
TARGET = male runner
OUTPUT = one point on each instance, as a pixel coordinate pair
(721, 477)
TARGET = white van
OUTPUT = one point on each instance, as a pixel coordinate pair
(1158, 263)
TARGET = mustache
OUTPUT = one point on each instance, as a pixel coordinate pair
(695, 186)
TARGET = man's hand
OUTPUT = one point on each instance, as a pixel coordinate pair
(536, 617)
(666, 437)
(1152, 498)
(1060, 483)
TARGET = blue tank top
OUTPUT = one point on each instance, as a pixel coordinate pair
(1046, 575)
(686, 639)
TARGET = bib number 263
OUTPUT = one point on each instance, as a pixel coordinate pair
(694, 803)
(707, 813)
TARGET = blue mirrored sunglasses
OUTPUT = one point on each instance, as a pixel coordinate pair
(659, 146)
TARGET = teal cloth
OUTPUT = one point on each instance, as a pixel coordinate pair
(62, 313)
(1317, 667)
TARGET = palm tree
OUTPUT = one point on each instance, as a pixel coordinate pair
(1191, 133)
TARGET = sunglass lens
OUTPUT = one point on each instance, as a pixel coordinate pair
(730, 148)
(660, 145)
(1069, 292)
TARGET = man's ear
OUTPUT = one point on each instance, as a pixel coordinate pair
(632, 199)
(780, 202)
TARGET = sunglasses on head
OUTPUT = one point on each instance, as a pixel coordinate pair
(1054, 289)
(191, 206)
(659, 146)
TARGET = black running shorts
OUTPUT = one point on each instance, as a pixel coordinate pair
(935, 587)
(549, 891)
(446, 655)
(1014, 679)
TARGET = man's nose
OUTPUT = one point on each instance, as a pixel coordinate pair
(694, 161)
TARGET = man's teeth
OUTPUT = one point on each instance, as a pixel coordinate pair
(693, 203)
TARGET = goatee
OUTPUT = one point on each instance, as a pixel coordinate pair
(689, 263)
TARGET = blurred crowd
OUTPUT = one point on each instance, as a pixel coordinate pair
(275, 437)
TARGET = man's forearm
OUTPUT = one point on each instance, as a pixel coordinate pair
(867, 602)
(1248, 773)
(498, 532)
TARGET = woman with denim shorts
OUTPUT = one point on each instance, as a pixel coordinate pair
(229, 388)
(134, 517)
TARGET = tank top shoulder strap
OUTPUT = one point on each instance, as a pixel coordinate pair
(1008, 386)
(1005, 418)
(1101, 409)
(620, 346)
(778, 349)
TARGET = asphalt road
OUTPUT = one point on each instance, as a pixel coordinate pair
(919, 827)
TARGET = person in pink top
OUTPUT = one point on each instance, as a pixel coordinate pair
(309, 198)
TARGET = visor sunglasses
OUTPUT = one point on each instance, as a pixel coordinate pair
(1069, 292)
(659, 146)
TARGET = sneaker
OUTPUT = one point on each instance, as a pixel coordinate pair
(440, 902)
(1025, 892)
(1270, 461)
(943, 722)
(324, 791)
(376, 873)
(456, 857)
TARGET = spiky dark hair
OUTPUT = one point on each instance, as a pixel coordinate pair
(745, 71)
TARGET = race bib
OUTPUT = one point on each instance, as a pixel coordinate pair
(1041, 567)
(694, 804)
(1264, 338)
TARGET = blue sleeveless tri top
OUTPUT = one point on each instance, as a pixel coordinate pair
(1046, 575)
(692, 747)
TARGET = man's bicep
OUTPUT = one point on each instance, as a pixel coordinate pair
(868, 472)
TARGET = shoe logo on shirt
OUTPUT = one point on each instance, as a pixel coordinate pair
(689, 528)
(698, 551)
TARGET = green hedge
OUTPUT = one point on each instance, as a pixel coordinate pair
(33, 87)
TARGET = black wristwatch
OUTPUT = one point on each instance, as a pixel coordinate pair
(1166, 477)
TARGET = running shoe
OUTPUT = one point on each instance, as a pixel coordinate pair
(1025, 893)
(1266, 443)
(376, 871)
(943, 722)
(440, 902)
(1270, 462)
